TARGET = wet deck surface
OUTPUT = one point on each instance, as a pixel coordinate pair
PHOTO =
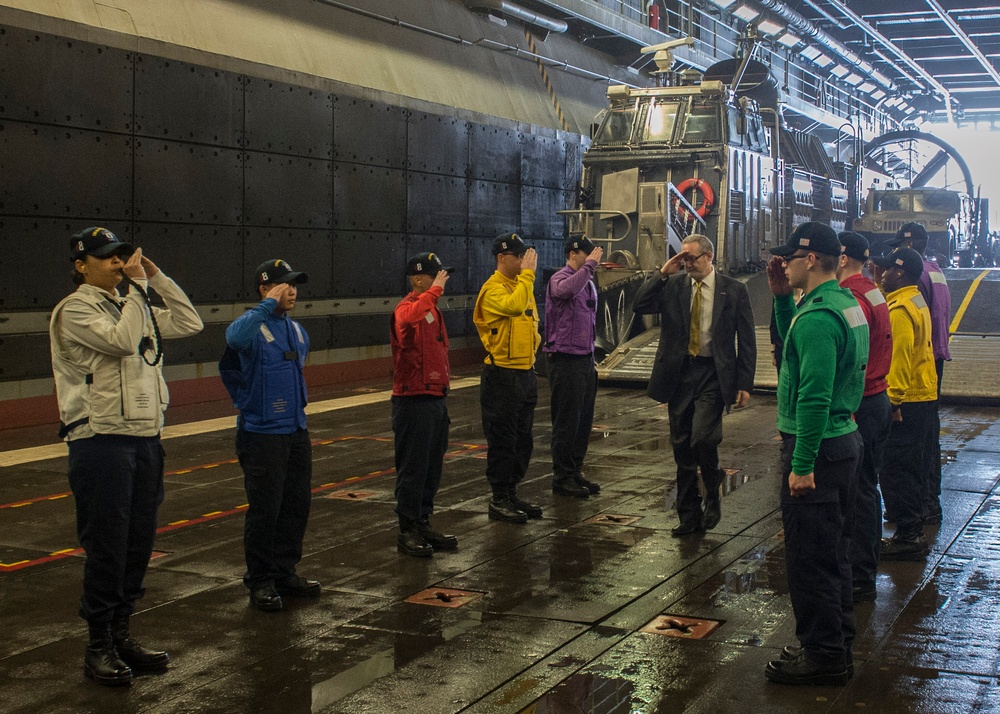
(553, 619)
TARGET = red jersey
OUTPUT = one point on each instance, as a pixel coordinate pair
(876, 311)
(419, 346)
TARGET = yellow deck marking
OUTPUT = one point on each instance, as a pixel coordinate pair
(953, 328)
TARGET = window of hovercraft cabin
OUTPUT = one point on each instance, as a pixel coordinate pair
(617, 127)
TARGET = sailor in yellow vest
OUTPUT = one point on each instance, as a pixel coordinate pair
(507, 320)
(913, 394)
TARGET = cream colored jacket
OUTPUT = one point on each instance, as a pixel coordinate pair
(99, 373)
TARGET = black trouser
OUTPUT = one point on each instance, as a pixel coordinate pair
(695, 414)
(420, 425)
(817, 541)
(873, 417)
(117, 482)
(904, 469)
(277, 470)
(573, 386)
(507, 399)
(932, 495)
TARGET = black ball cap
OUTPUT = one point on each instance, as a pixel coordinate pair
(426, 264)
(509, 243)
(908, 231)
(278, 271)
(812, 236)
(98, 242)
(906, 258)
(584, 244)
(855, 245)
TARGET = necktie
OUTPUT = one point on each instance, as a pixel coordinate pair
(694, 342)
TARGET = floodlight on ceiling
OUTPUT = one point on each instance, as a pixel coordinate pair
(811, 53)
(770, 27)
(853, 79)
(878, 94)
(722, 3)
(823, 60)
(867, 88)
(839, 71)
(746, 13)
(789, 40)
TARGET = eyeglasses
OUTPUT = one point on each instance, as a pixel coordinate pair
(691, 258)
(510, 252)
(790, 258)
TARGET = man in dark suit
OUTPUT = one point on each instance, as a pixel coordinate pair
(705, 362)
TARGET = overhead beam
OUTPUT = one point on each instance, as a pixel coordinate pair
(965, 40)
(863, 25)
(926, 76)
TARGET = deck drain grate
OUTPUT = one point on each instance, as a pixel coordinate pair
(611, 519)
(444, 597)
(689, 628)
(351, 495)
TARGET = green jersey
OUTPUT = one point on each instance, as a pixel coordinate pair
(822, 375)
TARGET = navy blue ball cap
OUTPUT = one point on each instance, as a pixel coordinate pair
(278, 271)
(426, 264)
(582, 243)
(908, 231)
(855, 245)
(906, 258)
(509, 243)
(812, 236)
(98, 242)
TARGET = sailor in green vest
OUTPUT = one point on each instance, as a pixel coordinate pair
(820, 387)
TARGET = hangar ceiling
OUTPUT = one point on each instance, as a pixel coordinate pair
(906, 61)
(954, 42)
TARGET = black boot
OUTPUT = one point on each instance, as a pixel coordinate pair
(411, 542)
(139, 658)
(569, 487)
(438, 541)
(101, 662)
(532, 510)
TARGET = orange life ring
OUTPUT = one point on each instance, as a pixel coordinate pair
(703, 187)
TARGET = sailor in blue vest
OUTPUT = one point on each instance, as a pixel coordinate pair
(272, 442)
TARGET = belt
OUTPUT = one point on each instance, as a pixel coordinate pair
(688, 359)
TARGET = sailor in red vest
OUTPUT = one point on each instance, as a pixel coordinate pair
(420, 381)
(872, 417)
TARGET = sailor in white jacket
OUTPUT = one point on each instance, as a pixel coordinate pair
(106, 360)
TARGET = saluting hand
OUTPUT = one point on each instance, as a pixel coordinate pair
(278, 291)
(530, 261)
(674, 264)
(440, 279)
(149, 266)
(777, 279)
(133, 267)
(596, 254)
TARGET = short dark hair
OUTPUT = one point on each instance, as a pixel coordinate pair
(827, 263)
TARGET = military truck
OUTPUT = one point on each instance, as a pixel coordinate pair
(948, 216)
